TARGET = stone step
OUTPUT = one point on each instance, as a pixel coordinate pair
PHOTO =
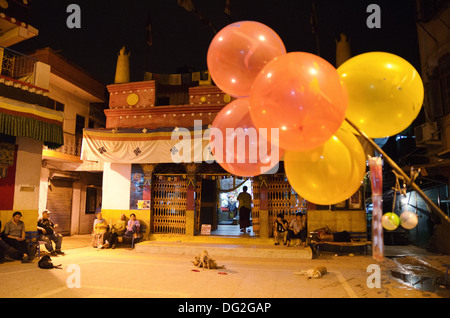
(223, 247)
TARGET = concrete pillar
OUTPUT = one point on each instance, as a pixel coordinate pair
(191, 214)
(116, 186)
(42, 75)
(264, 226)
(264, 232)
(27, 180)
(76, 208)
(147, 194)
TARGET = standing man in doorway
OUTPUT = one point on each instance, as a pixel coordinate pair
(245, 207)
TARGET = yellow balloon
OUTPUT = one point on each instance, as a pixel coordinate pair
(385, 93)
(328, 174)
(345, 125)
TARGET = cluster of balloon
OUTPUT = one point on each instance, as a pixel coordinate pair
(305, 100)
(235, 57)
(407, 220)
(229, 146)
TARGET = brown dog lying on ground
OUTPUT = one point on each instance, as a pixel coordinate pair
(316, 272)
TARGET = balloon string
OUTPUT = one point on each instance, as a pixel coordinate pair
(395, 198)
(397, 169)
(397, 188)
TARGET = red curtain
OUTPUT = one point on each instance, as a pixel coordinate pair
(7, 186)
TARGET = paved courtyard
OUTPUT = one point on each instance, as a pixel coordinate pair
(90, 273)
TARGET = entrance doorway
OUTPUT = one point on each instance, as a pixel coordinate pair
(208, 205)
(227, 211)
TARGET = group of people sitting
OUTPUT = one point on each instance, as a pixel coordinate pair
(297, 228)
(285, 232)
(105, 235)
(14, 244)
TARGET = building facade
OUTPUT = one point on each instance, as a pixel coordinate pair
(27, 120)
(70, 189)
(157, 164)
(432, 136)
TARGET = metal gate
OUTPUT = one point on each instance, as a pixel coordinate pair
(283, 199)
(169, 204)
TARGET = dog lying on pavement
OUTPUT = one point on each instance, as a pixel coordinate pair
(46, 263)
(316, 272)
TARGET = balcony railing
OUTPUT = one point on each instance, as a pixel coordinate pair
(72, 145)
(17, 66)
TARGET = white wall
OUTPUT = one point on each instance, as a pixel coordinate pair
(76, 208)
(73, 105)
(28, 170)
(27, 183)
(43, 192)
(42, 75)
(116, 186)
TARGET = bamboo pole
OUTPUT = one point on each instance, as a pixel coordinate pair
(396, 168)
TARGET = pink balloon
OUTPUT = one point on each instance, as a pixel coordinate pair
(300, 94)
(238, 146)
(238, 52)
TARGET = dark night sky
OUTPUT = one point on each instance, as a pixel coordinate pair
(180, 39)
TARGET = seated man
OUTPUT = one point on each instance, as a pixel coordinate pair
(47, 233)
(5, 249)
(14, 236)
(280, 227)
(297, 228)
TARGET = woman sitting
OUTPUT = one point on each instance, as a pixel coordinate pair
(133, 226)
(100, 230)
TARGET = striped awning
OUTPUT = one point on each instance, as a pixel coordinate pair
(161, 145)
(20, 119)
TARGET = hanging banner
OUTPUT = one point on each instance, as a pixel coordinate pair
(162, 145)
(20, 119)
(376, 178)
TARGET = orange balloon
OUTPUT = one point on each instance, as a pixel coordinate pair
(238, 146)
(238, 52)
(301, 95)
